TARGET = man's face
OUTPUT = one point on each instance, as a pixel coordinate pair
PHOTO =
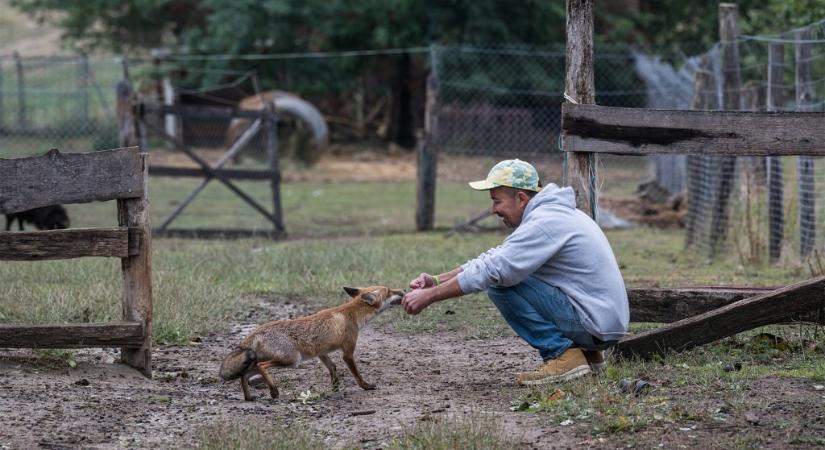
(509, 204)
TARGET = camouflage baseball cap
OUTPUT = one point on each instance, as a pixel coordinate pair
(510, 172)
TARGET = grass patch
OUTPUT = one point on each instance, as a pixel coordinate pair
(199, 285)
(443, 434)
(692, 390)
(257, 436)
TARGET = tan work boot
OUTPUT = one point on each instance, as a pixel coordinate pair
(569, 365)
(596, 360)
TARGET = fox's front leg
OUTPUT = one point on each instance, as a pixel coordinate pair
(333, 372)
(262, 366)
(245, 386)
(349, 350)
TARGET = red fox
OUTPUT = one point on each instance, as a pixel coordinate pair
(285, 343)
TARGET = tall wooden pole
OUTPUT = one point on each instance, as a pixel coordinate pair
(731, 92)
(776, 98)
(805, 164)
(428, 159)
(579, 86)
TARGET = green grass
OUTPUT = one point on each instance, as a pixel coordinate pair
(443, 434)
(257, 437)
(199, 286)
(599, 405)
(428, 434)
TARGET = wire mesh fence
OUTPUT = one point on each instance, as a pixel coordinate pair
(493, 103)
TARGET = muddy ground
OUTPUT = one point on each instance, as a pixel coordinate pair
(101, 404)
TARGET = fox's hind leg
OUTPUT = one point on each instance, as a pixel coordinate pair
(333, 373)
(262, 368)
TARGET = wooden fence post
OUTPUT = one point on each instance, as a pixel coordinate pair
(21, 93)
(136, 295)
(775, 101)
(579, 87)
(805, 164)
(2, 97)
(731, 90)
(127, 133)
(271, 127)
(83, 75)
(428, 158)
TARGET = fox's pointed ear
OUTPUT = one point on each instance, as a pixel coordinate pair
(369, 298)
(352, 292)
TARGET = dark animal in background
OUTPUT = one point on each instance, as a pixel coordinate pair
(52, 217)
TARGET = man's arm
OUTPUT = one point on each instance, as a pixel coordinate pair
(426, 280)
(415, 301)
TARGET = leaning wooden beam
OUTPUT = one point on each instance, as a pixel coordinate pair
(113, 334)
(772, 307)
(65, 244)
(55, 178)
(636, 131)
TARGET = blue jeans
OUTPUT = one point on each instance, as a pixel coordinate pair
(542, 315)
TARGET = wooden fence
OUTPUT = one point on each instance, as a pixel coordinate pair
(56, 178)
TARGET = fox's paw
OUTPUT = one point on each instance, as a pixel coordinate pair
(369, 387)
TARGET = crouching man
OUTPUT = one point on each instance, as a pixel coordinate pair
(554, 278)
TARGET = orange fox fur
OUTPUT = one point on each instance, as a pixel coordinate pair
(285, 343)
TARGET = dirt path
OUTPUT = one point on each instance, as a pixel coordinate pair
(105, 405)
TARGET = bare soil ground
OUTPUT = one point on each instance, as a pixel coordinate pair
(99, 404)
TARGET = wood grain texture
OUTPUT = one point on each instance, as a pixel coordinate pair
(771, 307)
(71, 243)
(635, 131)
(59, 178)
(114, 334)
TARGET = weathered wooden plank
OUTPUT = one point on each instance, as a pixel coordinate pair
(671, 305)
(136, 293)
(202, 112)
(636, 131)
(71, 243)
(58, 178)
(114, 334)
(771, 307)
(579, 87)
(231, 174)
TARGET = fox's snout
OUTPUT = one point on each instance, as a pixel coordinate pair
(396, 296)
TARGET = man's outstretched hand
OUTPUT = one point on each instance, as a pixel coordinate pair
(415, 301)
(424, 280)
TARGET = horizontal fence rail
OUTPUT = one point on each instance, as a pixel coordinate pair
(632, 131)
(72, 243)
(57, 178)
(111, 334)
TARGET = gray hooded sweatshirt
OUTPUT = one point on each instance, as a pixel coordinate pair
(564, 247)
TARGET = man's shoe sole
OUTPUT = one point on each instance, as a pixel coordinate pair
(569, 375)
(598, 368)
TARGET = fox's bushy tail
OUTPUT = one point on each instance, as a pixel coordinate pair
(236, 363)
